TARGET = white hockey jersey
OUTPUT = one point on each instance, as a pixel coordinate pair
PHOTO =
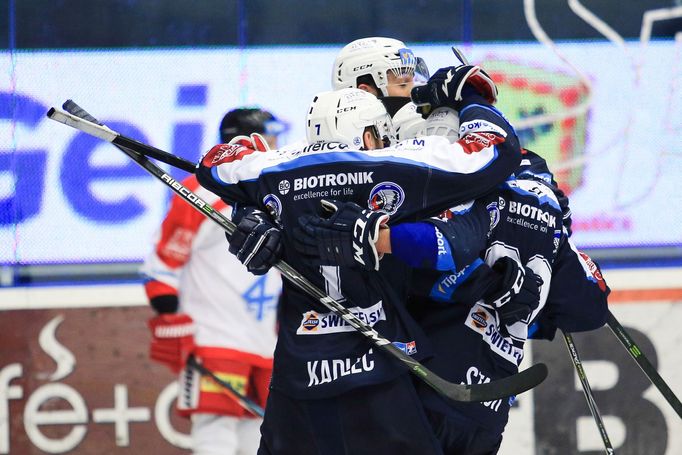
(231, 307)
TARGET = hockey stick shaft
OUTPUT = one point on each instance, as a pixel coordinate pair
(243, 401)
(646, 366)
(587, 390)
(108, 135)
(501, 388)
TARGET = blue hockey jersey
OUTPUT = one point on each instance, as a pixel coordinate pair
(318, 354)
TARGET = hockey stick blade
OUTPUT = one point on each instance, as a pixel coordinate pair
(511, 385)
(644, 364)
(243, 401)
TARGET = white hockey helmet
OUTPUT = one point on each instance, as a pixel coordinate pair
(442, 121)
(375, 56)
(343, 115)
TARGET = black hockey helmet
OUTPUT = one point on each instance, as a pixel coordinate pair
(244, 121)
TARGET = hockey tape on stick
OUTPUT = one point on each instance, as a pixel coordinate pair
(501, 388)
(244, 401)
(101, 132)
(587, 390)
(646, 366)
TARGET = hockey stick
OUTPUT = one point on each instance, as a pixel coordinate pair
(646, 366)
(122, 141)
(501, 388)
(587, 390)
(244, 401)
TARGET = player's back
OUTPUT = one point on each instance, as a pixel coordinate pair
(318, 352)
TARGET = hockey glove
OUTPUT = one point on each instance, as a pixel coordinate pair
(346, 236)
(445, 87)
(517, 293)
(256, 241)
(255, 141)
(172, 339)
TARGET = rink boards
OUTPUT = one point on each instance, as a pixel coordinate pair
(75, 376)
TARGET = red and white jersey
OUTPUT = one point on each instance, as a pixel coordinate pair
(231, 307)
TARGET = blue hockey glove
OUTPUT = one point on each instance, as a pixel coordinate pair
(345, 236)
(446, 86)
(256, 241)
(517, 293)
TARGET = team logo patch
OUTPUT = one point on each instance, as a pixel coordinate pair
(274, 206)
(387, 197)
(594, 270)
(409, 348)
(494, 213)
(557, 240)
(310, 321)
(407, 57)
(284, 187)
(480, 319)
(356, 141)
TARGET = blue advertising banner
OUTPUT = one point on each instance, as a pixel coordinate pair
(608, 120)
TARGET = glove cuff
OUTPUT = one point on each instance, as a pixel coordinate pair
(165, 304)
(374, 236)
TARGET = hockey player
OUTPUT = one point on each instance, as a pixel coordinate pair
(477, 335)
(577, 306)
(209, 306)
(522, 222)
(388, 69)
(331, 393)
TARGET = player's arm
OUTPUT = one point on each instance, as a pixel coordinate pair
(231, 170)
(487, 151)
(578, 297)
(534, 167)
(172, 331)
(460, 237)
(256, 241)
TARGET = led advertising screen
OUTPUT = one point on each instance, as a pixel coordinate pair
(608, 120)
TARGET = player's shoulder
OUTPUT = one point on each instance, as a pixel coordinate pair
(535, 190)
(420, 143)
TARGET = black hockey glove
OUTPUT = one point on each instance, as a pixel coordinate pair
(345, 236)
(256, 241)
(445, 87)
(518, 291)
